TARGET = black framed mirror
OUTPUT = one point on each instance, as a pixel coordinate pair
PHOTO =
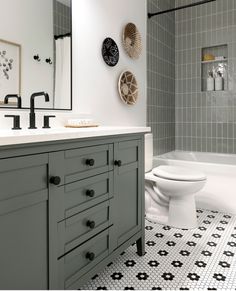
(36, 52)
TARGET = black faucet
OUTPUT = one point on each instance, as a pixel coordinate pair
(19, 103)
(32, 107)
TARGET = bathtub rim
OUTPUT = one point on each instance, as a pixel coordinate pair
(220, 155)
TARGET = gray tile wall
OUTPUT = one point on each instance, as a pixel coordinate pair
(205, 121)
(62, 18)
(161, 76)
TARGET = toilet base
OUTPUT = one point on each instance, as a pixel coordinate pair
(161, 219)
(182, 212)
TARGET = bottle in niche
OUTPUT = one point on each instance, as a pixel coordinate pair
(210, 81)
(219, 81)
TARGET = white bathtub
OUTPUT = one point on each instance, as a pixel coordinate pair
(219, 192)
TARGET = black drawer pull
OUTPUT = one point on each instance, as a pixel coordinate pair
(90, 256)
(90, 162)
(90, 193)
(91, 224)
(55, 180)
(118, 163)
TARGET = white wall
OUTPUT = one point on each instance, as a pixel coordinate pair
(30, 24)
(94, 83)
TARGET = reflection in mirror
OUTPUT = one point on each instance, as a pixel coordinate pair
(35, 52)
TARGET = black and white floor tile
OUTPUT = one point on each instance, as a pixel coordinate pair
(200, 259)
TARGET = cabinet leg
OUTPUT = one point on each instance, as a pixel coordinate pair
(140, 243)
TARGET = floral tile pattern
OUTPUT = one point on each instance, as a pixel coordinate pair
(175, 259)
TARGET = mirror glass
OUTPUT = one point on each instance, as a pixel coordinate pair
(35, 52)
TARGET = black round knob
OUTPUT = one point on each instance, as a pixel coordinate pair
(90, 256)
(118, 163)
(91, 224)
(90, 193)
(90, 162)
(55, 180)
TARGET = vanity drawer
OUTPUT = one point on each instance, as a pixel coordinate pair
(85, 162)
(81, 227)
(83, 194)
(82, 259)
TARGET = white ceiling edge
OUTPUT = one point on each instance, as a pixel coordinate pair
(65, 2)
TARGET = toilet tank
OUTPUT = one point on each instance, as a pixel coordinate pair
(148, 152)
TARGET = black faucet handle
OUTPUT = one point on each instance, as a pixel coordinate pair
(18, 97)
(16, 121)
(46, 120)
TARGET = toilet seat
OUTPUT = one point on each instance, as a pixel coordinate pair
(177, 173)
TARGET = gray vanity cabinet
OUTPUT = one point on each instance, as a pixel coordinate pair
(24, 222)
(127, 214)
(68, 209)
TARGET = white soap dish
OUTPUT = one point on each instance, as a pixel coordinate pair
(81, 123)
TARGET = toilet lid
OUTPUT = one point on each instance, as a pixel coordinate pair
(178, 173)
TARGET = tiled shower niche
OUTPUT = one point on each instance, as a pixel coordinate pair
(214, 59)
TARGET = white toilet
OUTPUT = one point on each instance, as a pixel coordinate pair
(169, 192)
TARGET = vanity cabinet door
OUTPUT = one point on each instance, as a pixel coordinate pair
(127, 214)
(24, 222)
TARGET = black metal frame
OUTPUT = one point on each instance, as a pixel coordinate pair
(150, 15)
(71, 97)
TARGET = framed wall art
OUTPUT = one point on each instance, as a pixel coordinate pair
(10, 68)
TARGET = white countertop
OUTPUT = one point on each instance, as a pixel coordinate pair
(26, 136)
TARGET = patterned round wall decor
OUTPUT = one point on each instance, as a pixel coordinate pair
(110, 52)
(128, 88)
(132, 41)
